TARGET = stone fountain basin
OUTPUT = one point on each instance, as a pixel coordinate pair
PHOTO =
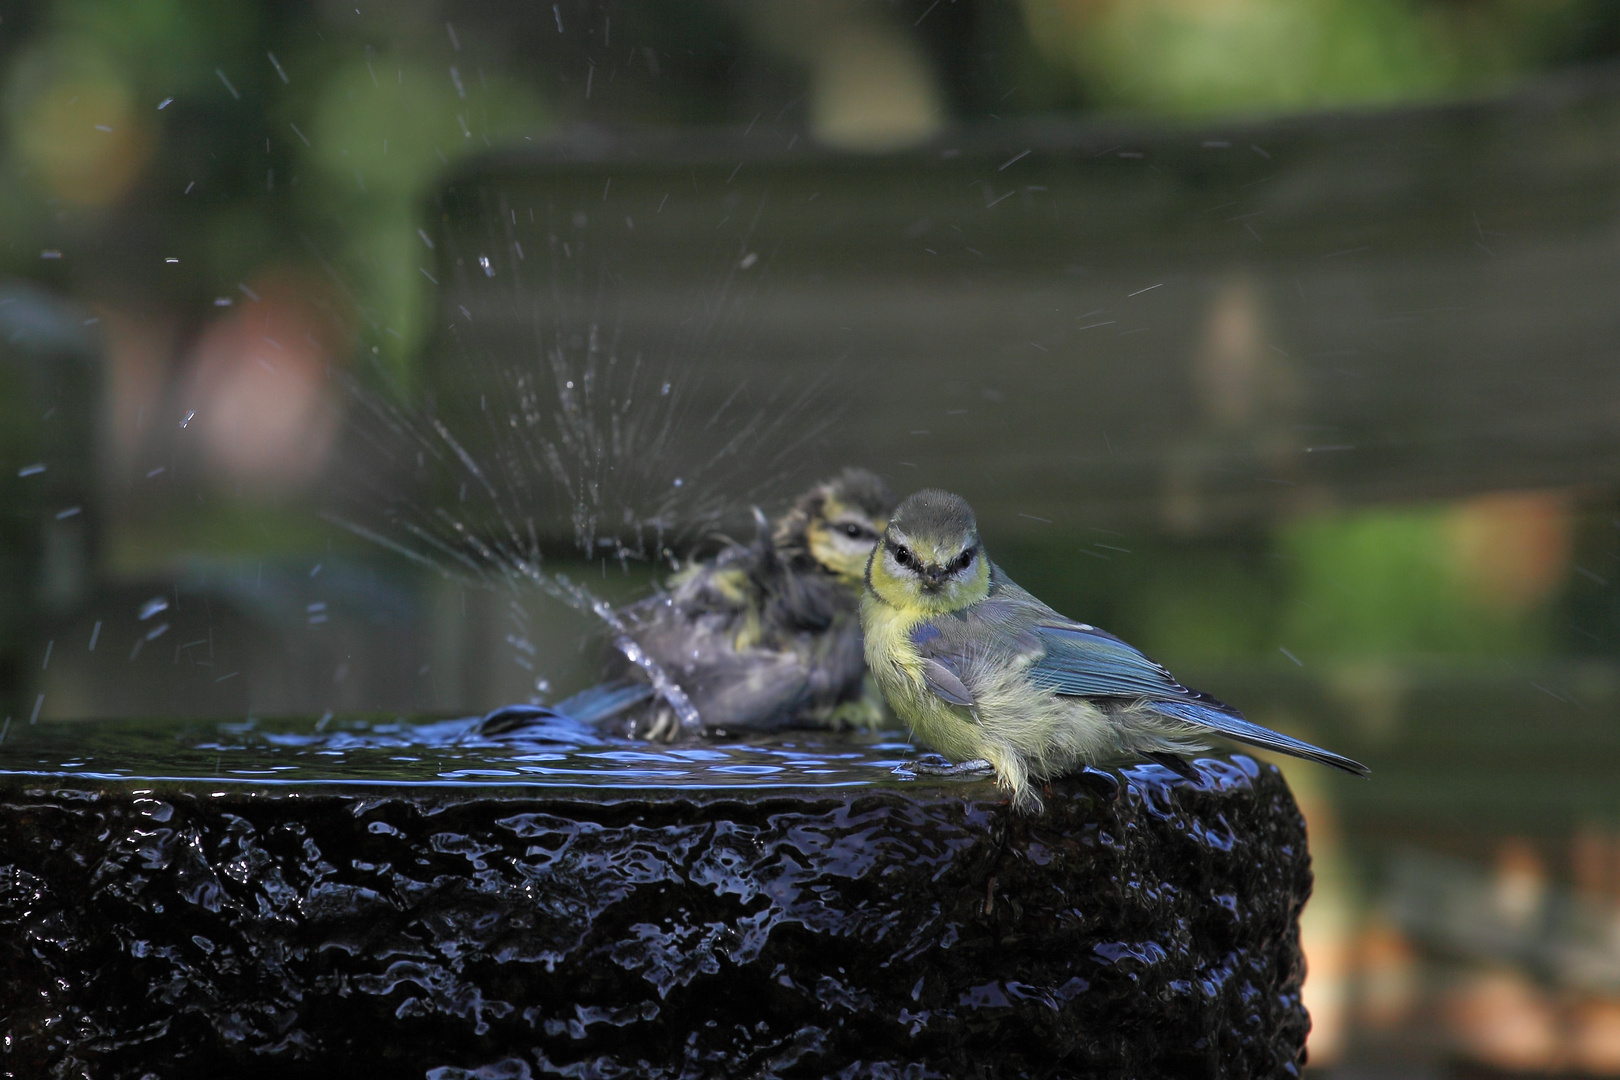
(402, 899)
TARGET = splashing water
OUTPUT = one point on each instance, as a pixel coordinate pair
(618, 446)
(579, 598)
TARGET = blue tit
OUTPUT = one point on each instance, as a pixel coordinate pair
(761, 635)
(981, 670)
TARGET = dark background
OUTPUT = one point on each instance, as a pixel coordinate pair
(1277, 336)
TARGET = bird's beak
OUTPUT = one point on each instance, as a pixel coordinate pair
(933, 577)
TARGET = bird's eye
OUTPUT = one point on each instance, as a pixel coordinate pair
(853, 531)
(962, 561)
(904, 557)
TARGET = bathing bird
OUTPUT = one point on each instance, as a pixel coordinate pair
(982, 671)
(762, 635)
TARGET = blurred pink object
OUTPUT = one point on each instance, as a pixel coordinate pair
(260, 388)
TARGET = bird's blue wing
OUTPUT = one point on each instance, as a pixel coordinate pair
(1077, 660)
(1083, 661)
(944, 660)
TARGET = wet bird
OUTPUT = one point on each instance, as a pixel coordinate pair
(762, 635)
(983, 671)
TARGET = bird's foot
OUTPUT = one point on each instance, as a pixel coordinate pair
(664, 726)
(934, 765)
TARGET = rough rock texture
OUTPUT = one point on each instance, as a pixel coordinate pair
(1144, 926)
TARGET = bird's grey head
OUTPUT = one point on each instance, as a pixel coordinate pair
(863, 490)
(930, 554)
(836, 524)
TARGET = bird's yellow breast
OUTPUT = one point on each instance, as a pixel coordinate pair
(889, 651)
(897, 666)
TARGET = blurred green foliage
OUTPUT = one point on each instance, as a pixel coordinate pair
(165, 47)
(380, 131)
(1194, 57)
(250, 136)
(1398, 582)
(1199, 602)
(1388, 582)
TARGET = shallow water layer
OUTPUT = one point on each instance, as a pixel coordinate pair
(360, 751)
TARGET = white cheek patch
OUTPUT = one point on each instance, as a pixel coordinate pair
(852, 545)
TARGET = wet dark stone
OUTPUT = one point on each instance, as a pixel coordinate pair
(865, 926)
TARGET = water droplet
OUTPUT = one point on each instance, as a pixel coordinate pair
(489, 271)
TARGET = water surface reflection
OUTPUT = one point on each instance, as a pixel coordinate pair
(443, 753)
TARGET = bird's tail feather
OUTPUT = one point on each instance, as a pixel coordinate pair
(604, 701)
(1235, 727)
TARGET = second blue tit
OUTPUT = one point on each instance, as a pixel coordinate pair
(982, 670)
(763, 635)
